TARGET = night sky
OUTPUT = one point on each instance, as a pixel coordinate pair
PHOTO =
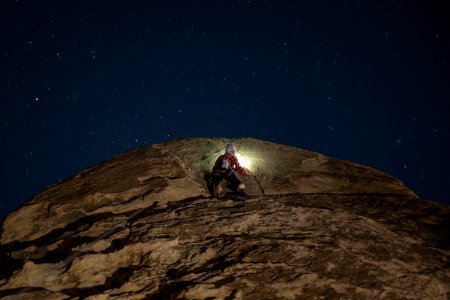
(81, 81)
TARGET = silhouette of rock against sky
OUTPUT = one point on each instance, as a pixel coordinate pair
(143, 225)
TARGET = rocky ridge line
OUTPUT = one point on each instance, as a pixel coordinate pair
(143, 225)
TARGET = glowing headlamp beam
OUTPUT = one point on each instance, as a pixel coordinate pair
(243, 161)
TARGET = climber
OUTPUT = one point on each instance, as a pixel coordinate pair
(226, 167)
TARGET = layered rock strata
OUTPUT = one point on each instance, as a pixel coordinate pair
(143, 225)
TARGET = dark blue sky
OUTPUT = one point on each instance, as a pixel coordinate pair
(366, 81)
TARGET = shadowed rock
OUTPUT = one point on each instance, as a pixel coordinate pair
(144, 226)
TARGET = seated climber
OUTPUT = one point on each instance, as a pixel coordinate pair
(226, 168)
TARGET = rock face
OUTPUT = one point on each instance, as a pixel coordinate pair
(143, 225)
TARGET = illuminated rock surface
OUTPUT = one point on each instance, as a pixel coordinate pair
(143, 226)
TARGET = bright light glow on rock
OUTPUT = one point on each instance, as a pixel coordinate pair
(243, 161)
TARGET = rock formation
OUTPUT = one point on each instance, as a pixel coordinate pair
(143, 225)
